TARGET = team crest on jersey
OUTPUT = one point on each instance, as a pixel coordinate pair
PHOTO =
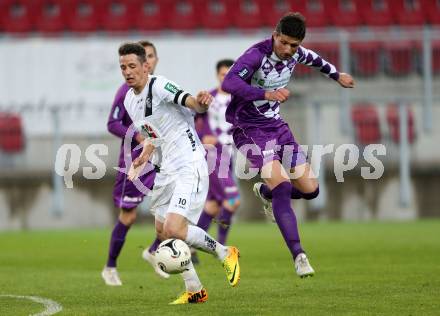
(171, 88)
(243, 72)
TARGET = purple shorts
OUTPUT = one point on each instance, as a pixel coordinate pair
(125, 193)
(262, 145)
(222, 187)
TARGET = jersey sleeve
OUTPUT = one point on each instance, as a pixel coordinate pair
(170, 91)
(115, 123)
(237, 80)
(309, 58)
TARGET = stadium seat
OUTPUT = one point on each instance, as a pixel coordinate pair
(376, 12)
(17, 16)
(394, 125)
(117, 15)
(328, 51)
(11, 133)
(248, 14)
(399, 58)
(366, 124)
(365, 58)
(314, 11)
(216, 14)
(408, 12)
(51, 16)
(432, 11)
(345, 13)
(84, 15)
(184, 14)
(150, 15)
(273, 10)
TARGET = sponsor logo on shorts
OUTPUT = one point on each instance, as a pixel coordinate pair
(268, 152)
(132, 199)
(231, 189)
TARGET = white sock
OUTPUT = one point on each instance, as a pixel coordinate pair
(198, 238)
(192, 282)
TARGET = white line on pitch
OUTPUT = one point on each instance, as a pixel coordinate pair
(52, 307)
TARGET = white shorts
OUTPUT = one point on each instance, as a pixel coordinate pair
(185, 193)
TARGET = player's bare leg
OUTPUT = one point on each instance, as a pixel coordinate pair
(148, 255)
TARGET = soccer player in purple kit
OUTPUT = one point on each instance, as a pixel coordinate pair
(257, 83)
(125, 195)
(223, 196)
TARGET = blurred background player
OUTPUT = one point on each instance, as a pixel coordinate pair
(125, 195)
(223, 195)
(257, 83)
(164, 112)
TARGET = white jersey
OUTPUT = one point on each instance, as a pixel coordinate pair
(159, 114)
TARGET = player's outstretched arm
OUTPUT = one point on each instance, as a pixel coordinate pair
(200, 103)
(139, 163)
(346, 80)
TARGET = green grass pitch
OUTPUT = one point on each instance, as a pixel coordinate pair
(361, 269)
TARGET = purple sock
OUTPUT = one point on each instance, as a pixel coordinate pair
(294, 194)
(285, 217)
(204, 221)
(265, 191)
(154, 245)
(116, 242)
(224, 225)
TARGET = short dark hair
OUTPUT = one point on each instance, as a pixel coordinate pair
(224, 63)
(293, 24)
(146, 43)
(133, 48)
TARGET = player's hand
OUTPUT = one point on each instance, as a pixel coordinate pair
(346, 80)
(136, 168)
(204, 98)
(279, 95)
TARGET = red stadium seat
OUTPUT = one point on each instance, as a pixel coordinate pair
(117, 15)
(432, 11)
(365, 58)
(394, 124)
(273, 10)
(328, 51)
(408, 12)
(84, 15)
(51, 16)
(376, 12)
(11, 133)
(303, 71)
(17, 16)
(151, 15)
(248, 14)
(184, 15)
(345, 13)
(366, 123)
(399, 58)
(315, 12)
(216, 14)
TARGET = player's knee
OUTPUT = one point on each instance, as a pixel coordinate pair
(173, 231)
(232, 204)
(311, 195)
(128, 216)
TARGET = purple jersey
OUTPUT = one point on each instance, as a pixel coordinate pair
(259, 70)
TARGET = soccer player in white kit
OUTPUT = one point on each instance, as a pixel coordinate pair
(164, 113)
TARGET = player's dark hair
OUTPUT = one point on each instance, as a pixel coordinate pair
(146, 43)
(293, 24)
(133, 48)
(224, 63)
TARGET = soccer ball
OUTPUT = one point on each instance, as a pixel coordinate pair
(173, 256)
